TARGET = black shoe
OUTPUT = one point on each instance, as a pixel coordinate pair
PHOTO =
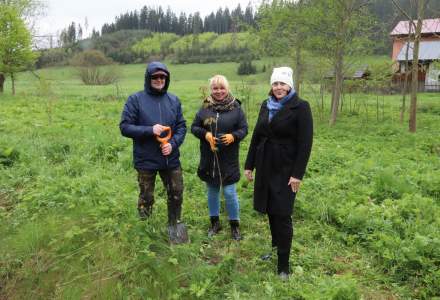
(215, 226)
(283, 265)
(284, 276)
(235, 230)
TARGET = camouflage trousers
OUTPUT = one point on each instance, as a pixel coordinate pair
(173, 182)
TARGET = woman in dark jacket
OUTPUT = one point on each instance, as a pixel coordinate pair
(220, 125)
(279, 151)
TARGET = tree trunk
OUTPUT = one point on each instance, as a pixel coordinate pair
(298, 69)
(2, 82)
(339, 77)
(13, 83)
(343, 20)
(405, 82)
(298, 53)
(415, 68)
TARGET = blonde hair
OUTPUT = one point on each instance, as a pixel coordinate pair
(219, 80)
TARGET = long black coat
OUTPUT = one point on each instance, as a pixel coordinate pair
(234, 122)
(280, 149)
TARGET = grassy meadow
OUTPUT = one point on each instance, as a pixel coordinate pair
(366, 224)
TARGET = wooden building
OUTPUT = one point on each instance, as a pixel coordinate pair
(429, 53)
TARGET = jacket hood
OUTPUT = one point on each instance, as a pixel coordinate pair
(151, 69)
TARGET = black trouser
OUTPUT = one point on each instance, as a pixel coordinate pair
(173, 182)
(282, 232)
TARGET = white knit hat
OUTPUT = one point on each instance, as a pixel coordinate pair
(282, 74)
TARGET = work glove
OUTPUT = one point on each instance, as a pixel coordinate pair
(227, 139)
(211, 140)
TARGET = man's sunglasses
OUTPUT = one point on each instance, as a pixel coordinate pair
(158, 77)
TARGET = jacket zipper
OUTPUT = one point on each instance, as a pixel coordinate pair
(215, 154)
(160, 120)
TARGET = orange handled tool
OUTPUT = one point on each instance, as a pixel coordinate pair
(165, 139)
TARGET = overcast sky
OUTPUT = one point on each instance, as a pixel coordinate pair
(60, 13)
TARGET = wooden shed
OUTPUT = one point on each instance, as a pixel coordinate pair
(429, 54)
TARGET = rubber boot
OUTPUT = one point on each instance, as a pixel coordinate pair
(215, 226)
(144, 209)
(235, 230)
(177, 231)
(174, 213)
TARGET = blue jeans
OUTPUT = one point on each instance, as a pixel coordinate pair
(231, 199)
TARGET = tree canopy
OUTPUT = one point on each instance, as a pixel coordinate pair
(15, 43)
(160, 20)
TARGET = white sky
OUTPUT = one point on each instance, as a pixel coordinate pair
(60, 13)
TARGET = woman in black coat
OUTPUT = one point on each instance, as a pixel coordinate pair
(220, 125)
(279, 151)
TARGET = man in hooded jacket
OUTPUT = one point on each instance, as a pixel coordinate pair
(146, 115)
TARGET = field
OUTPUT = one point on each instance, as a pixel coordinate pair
(366, 224)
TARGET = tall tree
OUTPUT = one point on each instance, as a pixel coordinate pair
(15, 44)
(159, 20)
(341, 28)
(79, 35)
(143, 17)
(68, 36)
(182, 23)
(283, 31)
(249, 15)
(28, 10)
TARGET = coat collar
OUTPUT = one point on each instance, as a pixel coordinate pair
(290, 105)
(294, 102)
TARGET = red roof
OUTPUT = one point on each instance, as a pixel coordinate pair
(429, 26)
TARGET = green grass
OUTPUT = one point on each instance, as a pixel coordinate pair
(366, 219)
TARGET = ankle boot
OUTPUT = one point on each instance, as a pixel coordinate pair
(235, 230)
(283, 264)
(215, 226)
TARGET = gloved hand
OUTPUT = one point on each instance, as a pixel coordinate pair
(227, 139)
(211, 140)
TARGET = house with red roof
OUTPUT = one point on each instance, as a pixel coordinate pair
(429, 53)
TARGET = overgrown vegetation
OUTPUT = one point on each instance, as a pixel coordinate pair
(197, 48)
(246, 68)
(94, 68)
(366, 219)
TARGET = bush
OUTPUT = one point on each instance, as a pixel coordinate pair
(90, 58)
(53, 57)
(246, 67)
(98, 76)
(94, 68)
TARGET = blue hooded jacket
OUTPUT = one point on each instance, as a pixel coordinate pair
(141, 112)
